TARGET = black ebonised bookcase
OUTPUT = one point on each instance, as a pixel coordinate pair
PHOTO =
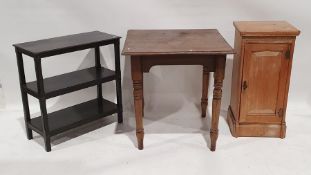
(50, 124)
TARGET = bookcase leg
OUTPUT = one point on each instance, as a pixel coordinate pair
(47, 143)
(98, 72)
(22, 81)
(119, 101)
(44, 121)
(42, 101)
(118, 80)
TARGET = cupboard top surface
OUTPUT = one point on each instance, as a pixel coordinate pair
(180, 41)
(266, 28)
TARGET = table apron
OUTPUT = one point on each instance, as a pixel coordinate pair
(154, 60)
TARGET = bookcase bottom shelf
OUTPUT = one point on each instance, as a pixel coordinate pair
(74, 116)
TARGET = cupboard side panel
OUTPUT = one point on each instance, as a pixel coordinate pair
(292, 46)
(236, 76)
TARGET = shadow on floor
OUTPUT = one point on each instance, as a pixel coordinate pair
(161, 116)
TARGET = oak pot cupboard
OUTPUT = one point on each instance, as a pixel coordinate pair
(260, 78)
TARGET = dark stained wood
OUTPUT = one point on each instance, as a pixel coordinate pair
(155, 60)
(266, 28)
(65, 44)
(175, 47)
(219, 76)
(118, 80)
(76, 115)
(42, 102)
(72, 81)
(56, 122)
(283, 123)
(164, 42)
(137, 77)
(205, 83)
(260, 79)
(22, 82)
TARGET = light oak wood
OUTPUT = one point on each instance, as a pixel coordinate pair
(265, 75)
(253, 129)
(236, 75)
(150, 48)
(260, 78)
(266, 28)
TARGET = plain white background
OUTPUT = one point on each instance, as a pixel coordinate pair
(177, 87)
(37, 19)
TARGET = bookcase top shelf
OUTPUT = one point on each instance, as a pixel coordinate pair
(65, 44)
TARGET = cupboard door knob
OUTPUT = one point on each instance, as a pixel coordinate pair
(245, 85)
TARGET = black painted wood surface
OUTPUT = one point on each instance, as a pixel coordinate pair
(48, 125)
(76, 115)
(65, 44)
(69, 82)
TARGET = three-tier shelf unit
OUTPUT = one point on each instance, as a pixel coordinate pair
(50, 124)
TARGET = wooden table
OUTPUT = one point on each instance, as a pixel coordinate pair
(205, 47)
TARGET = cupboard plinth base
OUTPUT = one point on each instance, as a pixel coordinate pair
(254, 129)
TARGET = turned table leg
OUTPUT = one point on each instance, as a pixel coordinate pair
(205, 82)
(217, 94)
(143, 98)
(137, 77)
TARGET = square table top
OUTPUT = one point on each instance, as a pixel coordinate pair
(177, 41)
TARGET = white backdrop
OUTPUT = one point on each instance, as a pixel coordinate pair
(23, 21)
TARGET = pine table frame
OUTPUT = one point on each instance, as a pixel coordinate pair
(205, 47)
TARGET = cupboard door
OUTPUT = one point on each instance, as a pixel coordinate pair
(265, 72)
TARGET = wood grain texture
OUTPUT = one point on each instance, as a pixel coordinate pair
(137, 77)
(211, 63)
(163, 42)
(205, 83)
(206, 47)
(266, 28)
(219, 76)
(155, 60)
(265, 75)
(260, 80)
(237, 74)
(253, 129)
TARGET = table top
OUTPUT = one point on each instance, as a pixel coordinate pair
(61, 44)
(180, 41)
(265, 28)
